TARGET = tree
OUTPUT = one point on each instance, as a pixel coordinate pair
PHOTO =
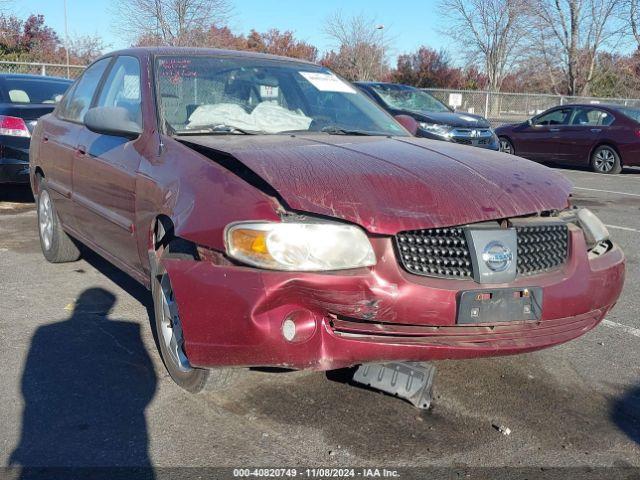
(632, 9)
(491, 31)
(31, 40)
(86, 48)
(359, 50)
(569, 34)
(169, 22)
(281, 43)
(31, 36)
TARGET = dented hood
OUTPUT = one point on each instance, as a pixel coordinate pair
(388, 185)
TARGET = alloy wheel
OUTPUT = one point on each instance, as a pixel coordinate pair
(45, 219)
(505, 146)
(605, 160)
(171, 327)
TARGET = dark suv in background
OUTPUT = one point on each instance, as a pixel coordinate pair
(23, 99)
(435, 119)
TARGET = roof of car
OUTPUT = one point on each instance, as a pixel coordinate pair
(594, 105)
(373, 84)
(202, 51)
(25, 76)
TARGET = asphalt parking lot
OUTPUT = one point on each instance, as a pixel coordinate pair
(85, 385)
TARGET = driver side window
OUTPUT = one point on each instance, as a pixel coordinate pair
(77, 101)
(122, 88)
(556, 117)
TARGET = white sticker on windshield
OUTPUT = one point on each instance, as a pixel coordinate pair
(327, 82)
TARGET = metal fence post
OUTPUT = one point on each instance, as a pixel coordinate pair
(486, 105)
(43, 70)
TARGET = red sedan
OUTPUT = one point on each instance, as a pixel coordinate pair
(604, 137)
(281, 218)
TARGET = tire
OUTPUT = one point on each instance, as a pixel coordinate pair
(171, 341)
(506, 146)
(57, 246)
(606, 160)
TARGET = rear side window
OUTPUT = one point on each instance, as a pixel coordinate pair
(34, 90)
(122, 88)
(78, 100)
(556, 117)
(632, 113)
(591, 117)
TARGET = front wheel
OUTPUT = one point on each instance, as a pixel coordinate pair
(171, 341)
(606, 160)
(506, 146)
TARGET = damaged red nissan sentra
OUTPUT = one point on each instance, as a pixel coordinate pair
(280, 218)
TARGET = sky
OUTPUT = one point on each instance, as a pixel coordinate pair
(407, 27)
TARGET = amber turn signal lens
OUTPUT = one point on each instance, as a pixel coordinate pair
(250, 241)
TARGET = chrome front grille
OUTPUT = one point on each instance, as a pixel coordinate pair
(437, 252)
(541, 248)
(444, 252)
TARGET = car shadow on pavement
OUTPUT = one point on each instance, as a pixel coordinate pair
(16, 194)
(625, 413)
(86, 383)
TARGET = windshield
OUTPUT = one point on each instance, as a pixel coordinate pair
(632, 113)
(35, 90)
(226, 95)
(404, 98)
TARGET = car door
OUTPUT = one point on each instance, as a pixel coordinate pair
(537, 139)
(60, 133)
(577, 139)
(104, 172)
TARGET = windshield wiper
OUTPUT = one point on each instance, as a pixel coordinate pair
(334, 130)
(220, 129)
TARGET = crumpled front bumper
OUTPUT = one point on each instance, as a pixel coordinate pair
(233, 316)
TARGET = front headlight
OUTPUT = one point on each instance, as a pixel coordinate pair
(594, 230)
(436, 129)
(299, 246)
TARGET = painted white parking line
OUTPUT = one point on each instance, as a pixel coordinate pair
(625, 328)
(626, 229)
(608, 191)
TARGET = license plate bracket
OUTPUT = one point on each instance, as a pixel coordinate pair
(499, 305)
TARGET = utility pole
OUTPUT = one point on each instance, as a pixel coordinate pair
(381, 28)
(66, 38)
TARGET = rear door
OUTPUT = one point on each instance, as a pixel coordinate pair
(577, 139)
(60, 139)
(104, 172)
(537, 141)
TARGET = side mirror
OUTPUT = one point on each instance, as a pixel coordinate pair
(113, 121)
(408, 122)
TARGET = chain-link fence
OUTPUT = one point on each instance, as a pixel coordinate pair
(501, 108)
(50, 69)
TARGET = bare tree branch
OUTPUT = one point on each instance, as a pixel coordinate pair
(170, 22)
(573, 32)
(360, 46)
(491, 30)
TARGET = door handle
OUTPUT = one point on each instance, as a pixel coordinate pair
(554, 129)
(596, 130)
(81, 149)
(45, 139)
